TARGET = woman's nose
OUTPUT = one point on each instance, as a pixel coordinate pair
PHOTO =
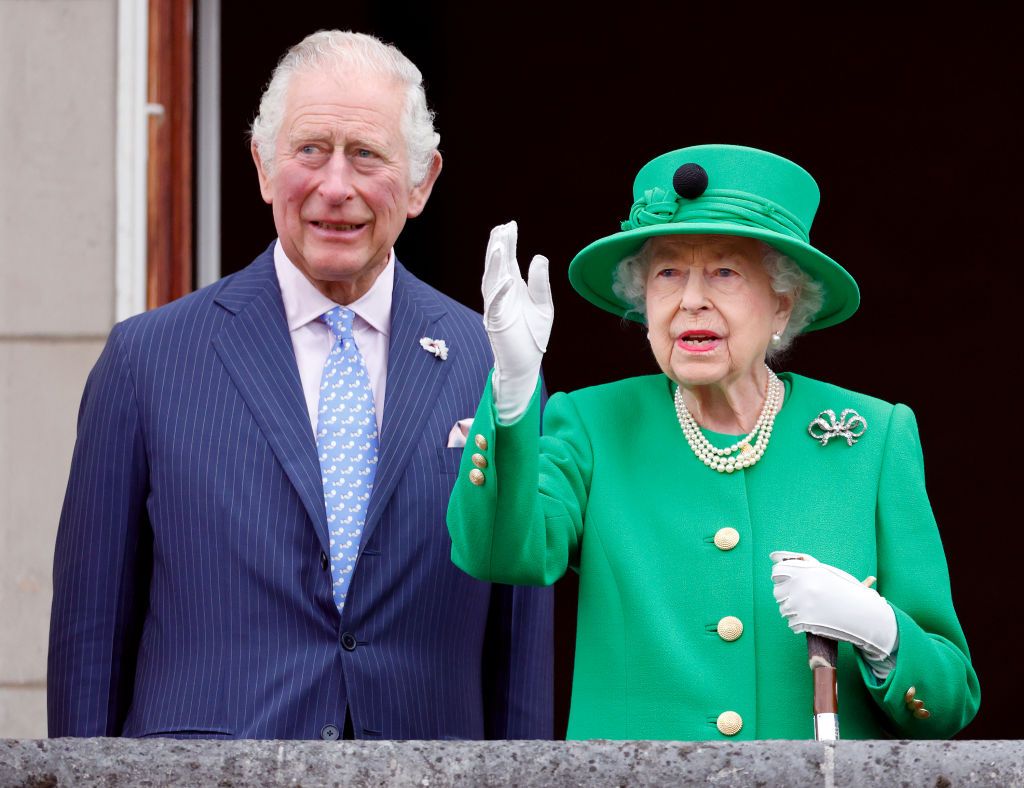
(694, 294)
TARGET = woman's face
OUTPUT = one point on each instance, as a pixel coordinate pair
(711, 309)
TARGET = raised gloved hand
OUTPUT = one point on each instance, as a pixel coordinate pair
(818, 598)
(518, 319)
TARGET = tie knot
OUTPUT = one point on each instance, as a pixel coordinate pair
(339, 320)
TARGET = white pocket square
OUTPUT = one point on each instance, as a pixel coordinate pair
(460, 432)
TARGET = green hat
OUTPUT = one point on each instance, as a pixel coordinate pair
(719, 190)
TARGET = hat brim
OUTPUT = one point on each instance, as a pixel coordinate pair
(590, 272)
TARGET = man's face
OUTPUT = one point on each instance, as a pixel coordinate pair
(340, 185)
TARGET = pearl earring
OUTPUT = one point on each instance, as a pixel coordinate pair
(776, 339)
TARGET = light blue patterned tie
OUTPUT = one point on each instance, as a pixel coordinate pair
(346, 441)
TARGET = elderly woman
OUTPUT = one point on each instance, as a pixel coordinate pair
(700, 503)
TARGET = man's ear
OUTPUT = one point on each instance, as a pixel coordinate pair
(421, 192)
(265, 190)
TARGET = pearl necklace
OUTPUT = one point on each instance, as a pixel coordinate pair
(728, 460)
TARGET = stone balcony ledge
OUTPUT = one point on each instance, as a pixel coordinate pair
(169, 762)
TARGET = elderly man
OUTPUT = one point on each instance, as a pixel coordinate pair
(253, 541)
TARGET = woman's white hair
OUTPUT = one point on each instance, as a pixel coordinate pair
(353, 52)
(629, 282)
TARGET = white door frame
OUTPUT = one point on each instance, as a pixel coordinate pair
(132, 155)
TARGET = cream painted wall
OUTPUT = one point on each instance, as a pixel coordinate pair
(58, 94)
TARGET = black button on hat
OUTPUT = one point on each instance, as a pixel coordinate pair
(690, 181)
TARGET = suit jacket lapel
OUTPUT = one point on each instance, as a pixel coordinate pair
(256, 349)
(414, 381)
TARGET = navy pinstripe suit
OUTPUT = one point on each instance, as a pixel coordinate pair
(192, 596)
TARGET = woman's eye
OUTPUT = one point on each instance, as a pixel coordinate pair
(724, 273)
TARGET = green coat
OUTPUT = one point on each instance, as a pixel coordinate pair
(613, 491)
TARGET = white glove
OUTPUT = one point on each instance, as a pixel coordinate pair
(518, 320)
(823, 600)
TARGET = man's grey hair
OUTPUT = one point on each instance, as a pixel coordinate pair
(349, 52)
(629, 282)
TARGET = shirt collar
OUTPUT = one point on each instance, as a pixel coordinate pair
(303, 303)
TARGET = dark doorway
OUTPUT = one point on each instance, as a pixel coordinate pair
(908, 124)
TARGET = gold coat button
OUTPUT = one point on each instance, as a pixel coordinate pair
(479, 460)
(729, 723)
(477, 477)
(481, 442)
(730, 628)
(909, 697)
(726, 538)
(922, 714)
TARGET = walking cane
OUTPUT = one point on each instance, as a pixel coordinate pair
(821, 654)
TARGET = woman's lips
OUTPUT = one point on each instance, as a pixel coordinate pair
(698, 341)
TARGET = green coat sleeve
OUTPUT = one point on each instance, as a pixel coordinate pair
(912, 575)
(524, 523)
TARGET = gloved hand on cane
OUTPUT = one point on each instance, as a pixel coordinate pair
(518, 319)
(823, 600)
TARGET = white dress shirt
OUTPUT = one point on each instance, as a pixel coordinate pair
(312, 339)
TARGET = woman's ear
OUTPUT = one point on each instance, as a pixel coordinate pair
(784, 311)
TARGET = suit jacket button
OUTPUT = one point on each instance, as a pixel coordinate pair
(726, 538)
(329, 732)
(729, 723)
(323, 561)
(348, 641)
(730, 628)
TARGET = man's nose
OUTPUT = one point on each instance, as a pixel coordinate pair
(336, 182)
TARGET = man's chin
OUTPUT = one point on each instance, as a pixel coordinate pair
(343, 278)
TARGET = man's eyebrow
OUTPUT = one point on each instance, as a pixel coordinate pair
(302, 134)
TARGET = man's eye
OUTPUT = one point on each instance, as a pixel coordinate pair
(363, 153)
(308, 150)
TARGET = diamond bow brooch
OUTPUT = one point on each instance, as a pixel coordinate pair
(435, 346)
(851, 425)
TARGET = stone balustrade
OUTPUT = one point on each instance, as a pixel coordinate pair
(168, 762)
